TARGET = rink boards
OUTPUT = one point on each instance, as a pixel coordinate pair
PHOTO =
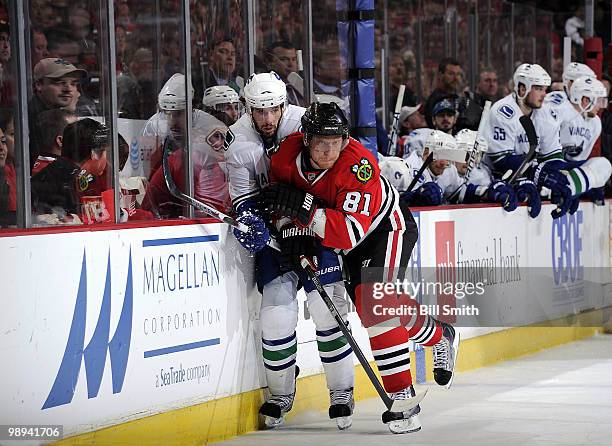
(101, 328)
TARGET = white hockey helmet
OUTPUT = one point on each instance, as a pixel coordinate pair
(530, 75)
(590, 88)
(219, 94)
(172, 95)
(396, 171)
(573, 71)
(264, 90)
(445, 147)
(466, 140)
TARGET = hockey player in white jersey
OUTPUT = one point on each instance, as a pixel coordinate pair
(443, 180)
(478, 185)
(426, 191)
(559, 100)
(253, 138)
(508, 142)
(579, 131)
(167, 127)
(223, 103)
(581, 125)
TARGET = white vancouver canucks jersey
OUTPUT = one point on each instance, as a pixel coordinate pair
(247, 161)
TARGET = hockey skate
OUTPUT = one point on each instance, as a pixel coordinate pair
(341, 407)
(275, 408)
(403, 422)
(445, 355)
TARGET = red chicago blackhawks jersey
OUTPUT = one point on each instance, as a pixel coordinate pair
(357, 199)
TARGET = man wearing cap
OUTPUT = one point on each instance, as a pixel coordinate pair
(411, 118)
(445, 115)
(444, 119)
(55, 86)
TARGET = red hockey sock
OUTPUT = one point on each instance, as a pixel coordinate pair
(392, 356)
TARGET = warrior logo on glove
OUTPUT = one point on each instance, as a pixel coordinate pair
(363, 171)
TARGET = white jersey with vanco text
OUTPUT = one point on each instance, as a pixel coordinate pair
(506, 136)
(578, 135)
(247, 161)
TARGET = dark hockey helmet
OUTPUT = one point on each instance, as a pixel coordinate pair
(325, 119)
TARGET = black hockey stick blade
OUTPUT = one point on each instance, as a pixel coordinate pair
(392, 405)
(532, 137)
(425, 165)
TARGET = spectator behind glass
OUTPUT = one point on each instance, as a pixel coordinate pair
(80, 24)
(488, 87)
(121, 49)
(574, 26)
(449, 80)
(51, 124)
(7, 76)
(8, 177)
(171, 53)
(222, 64)
(135, 96)
(44, 15)
(55, 86)
(281, 57)
(122, 15)
(74, 183)
(8, 197)
(328, 71)
(39, 46)
(63, 46)
(397, 77)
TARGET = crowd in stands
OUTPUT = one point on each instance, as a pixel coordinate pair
(68, 142)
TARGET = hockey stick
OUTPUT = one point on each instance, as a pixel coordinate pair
(532, 137)
(391, 149)
(471, 163)
(426, 164)
(392, 405)
(208, 210)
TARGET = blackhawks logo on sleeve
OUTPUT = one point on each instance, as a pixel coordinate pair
(363, 171)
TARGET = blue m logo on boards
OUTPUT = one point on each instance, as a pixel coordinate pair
(95, 353)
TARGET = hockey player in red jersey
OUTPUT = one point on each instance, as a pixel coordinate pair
(330, 186)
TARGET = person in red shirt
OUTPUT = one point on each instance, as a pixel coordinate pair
(8, 183)
(330, 186)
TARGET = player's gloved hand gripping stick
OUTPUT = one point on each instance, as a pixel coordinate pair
(208, 210)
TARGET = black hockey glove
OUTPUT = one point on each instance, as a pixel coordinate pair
(290, 202)
(294, 243)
